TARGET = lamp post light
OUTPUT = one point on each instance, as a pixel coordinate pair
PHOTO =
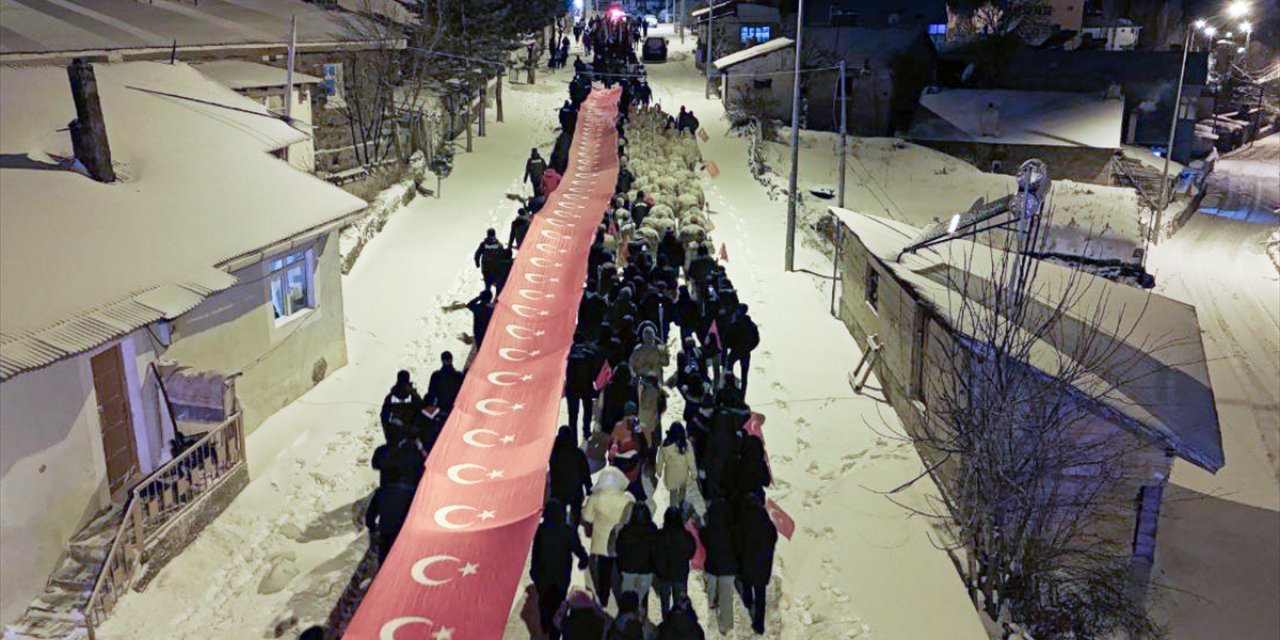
(1238, 9)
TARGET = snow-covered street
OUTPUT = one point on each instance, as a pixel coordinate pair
(860, 566)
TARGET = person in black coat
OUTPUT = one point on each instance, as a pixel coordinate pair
(591, 312)
(427, 425)
(756, 539)
(681, 623)
(400, 461)
(488, 258)
(723, 446)
(617, 394)
(387, 513)
(579, 385)
(519, 227)
(560, 152)
(481, 308)
(398, 406)
(568, 116)
(570, 475)
(445, 383)
(673, 548)
(551, 564)
(533, 169)
(742, 336)
(751, 473)
(721, 563)
(635, 546)
(582, 618)
(629, 625)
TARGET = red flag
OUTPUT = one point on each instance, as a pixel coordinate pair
(713, 170)
(605, 375)
(715, 331)
(786, 526)
(700, 552)
(724, 252)
(613, 227)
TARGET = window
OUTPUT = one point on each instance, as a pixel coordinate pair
(333, 86)
(757, 32)
(291, 284)
(766, 83)
(873, 287)
(938, 29)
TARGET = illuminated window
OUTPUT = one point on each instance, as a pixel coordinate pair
(938, 29)
(758, 32)
(291, 284)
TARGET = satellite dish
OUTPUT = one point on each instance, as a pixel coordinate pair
(968, 73)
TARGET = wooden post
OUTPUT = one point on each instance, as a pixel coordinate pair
(497, 93)
(89, 130)
(466, 118)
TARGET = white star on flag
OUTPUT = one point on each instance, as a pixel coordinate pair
(508, 439)
(526, 378)
(495, 474)
(445, 633)
(486, 515)
(517, 406)
(469, 569)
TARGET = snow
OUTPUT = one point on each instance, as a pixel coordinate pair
(1042, 118)
(750, 53)
(197, 187)
(42, 26)
(1148, 364)
(242, 74)
(919, 186)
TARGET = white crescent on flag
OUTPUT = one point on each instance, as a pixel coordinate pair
(419, 570)
(539, 261)
(500, 378)
(559, 223)
(508, 354)
(522, 333)
(454, 473)
(534, 294)
(483, 406)
(546, 248)
(552, 234)
(526, 311)
(470, 438)
(393, 625)
(441, 517)
(539, 278)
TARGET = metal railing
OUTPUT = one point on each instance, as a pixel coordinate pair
(158, 500)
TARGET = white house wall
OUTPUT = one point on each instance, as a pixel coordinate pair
(235, 331)
(303, 154)
(52, 471)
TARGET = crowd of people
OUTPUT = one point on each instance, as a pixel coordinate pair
(654, 286)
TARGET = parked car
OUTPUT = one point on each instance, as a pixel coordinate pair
(655, 49)
(652, 20)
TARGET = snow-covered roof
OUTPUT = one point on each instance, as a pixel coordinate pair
(46, 26)
(242, 74)
(751, 53)
(1041, 118)
(698, 13)
(82, 262)
(1149, 367)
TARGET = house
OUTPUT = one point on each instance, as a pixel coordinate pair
(330, 42)
(885, 71)
(761, 76)
(922, 15)
(1067, 15)
(998, 129)
(267, 86)
(191, 258)
(1139, 387)
(736, 25)
(1147, 79)
(1119, 34)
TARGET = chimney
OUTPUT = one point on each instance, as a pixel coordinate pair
(89, 130)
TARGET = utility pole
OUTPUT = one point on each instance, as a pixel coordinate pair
(1166, 192)
(680, 21)
(711, 38)
(497, 92)
(795, 143)
(288, 80)
(844, 141)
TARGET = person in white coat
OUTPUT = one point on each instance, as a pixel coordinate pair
(677, 467)
(603, 514)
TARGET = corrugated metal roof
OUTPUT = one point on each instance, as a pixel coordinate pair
(90, 329)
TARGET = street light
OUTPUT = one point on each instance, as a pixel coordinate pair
(1247, 28)
(1238, 9)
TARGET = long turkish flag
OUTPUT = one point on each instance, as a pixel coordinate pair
(455, 567)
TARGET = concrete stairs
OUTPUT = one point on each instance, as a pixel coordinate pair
(59, 611)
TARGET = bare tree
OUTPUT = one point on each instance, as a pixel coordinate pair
(1034, 494)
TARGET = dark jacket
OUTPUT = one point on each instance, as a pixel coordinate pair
(398, 403)
(751, 473)
(672, 550)
(681, 624)
(554, 547)
(398, 462)
(519, 228)
(533, 169)
(635, 544)
(718, 539)
(443, 388)
(583, 367)
(756, 539)
(488, 255)
(481, 313)
(570, 475)
(389, 509)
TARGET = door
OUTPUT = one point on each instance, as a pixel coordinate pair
(115, 419)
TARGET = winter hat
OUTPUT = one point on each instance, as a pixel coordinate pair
(402, 377)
